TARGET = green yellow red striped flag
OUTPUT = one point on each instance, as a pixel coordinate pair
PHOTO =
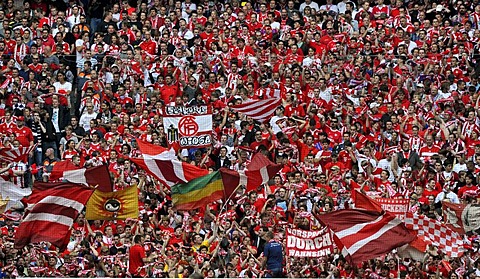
(198, 192)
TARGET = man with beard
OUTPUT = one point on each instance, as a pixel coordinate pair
(411, 156)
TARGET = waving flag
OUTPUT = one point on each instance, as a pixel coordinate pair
(11, 194)
(438, 233)
(113, 205)
(416, 247)
(258, 172)
(60, 167)
(259, 110)
(20, 154)
(200, 192)
(164, 165)
(153, 151)
(50, 212)
(95, 176)
(365, 235)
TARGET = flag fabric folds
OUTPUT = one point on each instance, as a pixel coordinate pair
(438, 233)
(20, 154)
(362, 201)
(364, 235)
(155, 151)
(259, 110)
(200, 192)
(11, 194)
(258, 172)
(95, 176)
(121, 204)
(50, 212)
(170, 172)
(60, 167)
(163, 164)
(416, 247)
(461, 218)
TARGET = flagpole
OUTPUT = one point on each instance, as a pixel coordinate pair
(398, 265)
(228, 199)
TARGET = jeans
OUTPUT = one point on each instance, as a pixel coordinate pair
(37, 159)
(94, 22)
(274, 273)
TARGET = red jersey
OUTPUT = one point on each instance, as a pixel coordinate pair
(137, 254)
(24, 135)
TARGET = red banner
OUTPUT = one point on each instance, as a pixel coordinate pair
(303, 244)
(399, 207)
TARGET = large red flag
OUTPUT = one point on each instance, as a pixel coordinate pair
(98, 177)
(60, 167)
(154, 151)
(362, 201)
(258, 172)
(366, 234)
(163, 164)
(50, 212)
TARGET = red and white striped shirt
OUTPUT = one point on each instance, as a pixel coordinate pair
(232, 80)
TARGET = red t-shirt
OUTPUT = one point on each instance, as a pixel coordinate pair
(24, 135)
(137, 254)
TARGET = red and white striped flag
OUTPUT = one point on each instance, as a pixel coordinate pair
(447, 240)
(164, 165)
(365, 235)
(10, 154)
(152, 151)
(259, 110)
(98, 176)
(259, 171)
(50, 212)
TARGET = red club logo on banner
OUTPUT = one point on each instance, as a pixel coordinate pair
(188, 126)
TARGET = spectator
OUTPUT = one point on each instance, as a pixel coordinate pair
(273, 261)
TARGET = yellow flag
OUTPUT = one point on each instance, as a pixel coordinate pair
(113, 205)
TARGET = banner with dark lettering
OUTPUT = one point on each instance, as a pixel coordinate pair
(399, 207)
(304, 244)
(189, 126)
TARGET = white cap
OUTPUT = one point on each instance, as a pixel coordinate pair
(439, 8)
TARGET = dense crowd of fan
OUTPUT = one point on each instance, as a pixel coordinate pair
(378, 94)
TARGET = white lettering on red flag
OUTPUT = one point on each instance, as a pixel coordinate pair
(399, 207)
(303, 244)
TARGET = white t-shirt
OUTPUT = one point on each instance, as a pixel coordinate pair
(63, 88)
(274, 123)
(78, 43)
(85, 120)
